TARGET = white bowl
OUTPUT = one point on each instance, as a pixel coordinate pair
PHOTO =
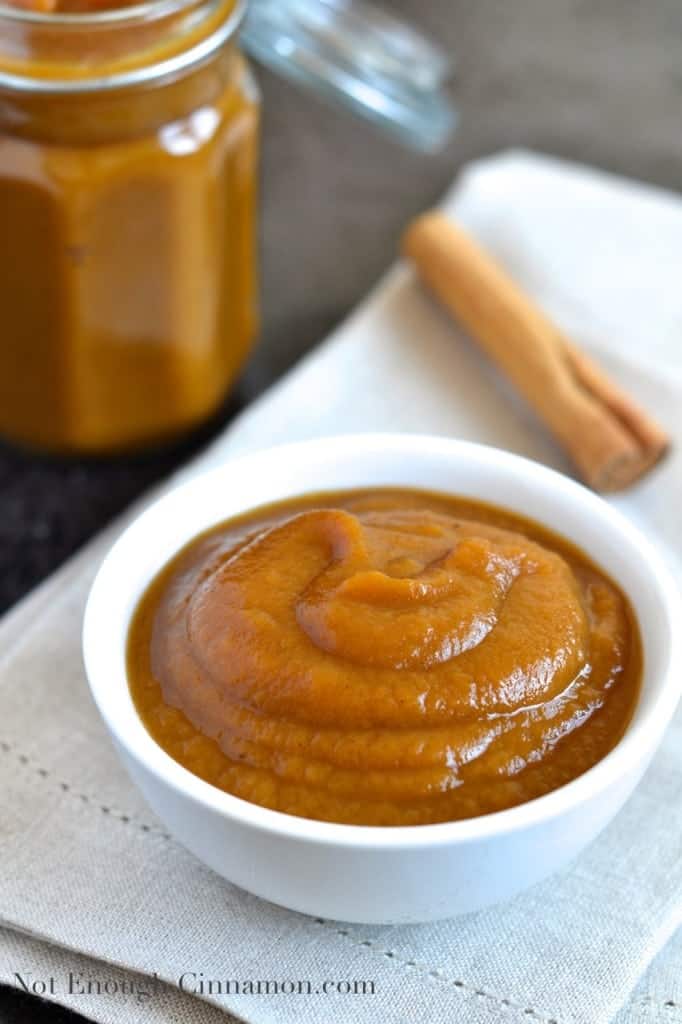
(357, 873)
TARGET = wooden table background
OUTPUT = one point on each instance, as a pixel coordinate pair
(598, 81)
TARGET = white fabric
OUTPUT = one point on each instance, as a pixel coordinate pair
(86, 869)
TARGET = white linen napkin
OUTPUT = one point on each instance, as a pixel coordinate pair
(91, 882)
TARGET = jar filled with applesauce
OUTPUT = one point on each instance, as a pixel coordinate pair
(128, 170)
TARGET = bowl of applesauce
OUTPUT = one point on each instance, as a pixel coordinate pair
(384, 678)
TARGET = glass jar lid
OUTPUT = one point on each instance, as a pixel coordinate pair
(356, 55)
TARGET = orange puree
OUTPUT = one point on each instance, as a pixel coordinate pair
(128, 291)
(70, 6)
(384, 658)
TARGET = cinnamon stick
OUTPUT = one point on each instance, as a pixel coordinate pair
(610, 439)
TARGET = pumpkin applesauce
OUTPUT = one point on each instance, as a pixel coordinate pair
(127, 198)
(384, 657)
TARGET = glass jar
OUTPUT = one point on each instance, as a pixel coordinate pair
(128, 164)
(128, 146)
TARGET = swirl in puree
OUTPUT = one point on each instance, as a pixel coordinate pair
(384, 658)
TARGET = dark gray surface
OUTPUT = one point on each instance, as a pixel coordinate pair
(593, 80)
